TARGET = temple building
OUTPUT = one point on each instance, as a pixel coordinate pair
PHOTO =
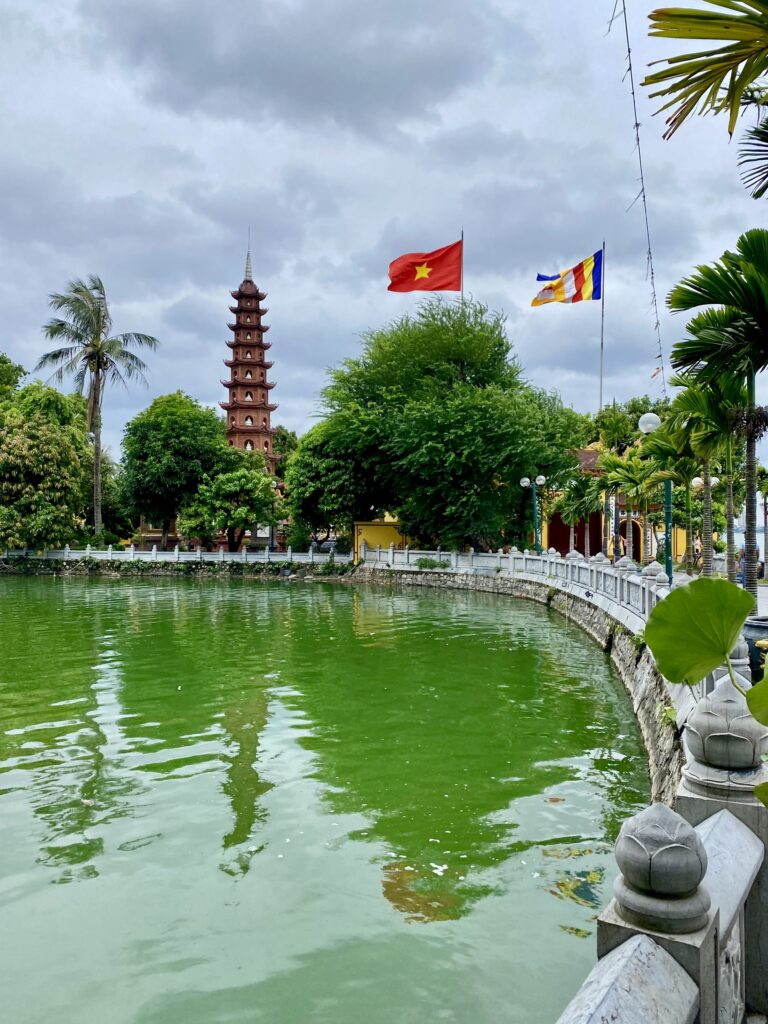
(248, 407)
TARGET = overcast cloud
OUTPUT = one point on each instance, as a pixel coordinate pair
(141, 138)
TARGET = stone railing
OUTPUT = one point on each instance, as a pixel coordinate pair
(626, 591)
(131, 554)
(686, 936)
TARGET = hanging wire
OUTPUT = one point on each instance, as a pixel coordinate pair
(650, 272)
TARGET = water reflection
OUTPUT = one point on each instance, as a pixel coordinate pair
(335, 769)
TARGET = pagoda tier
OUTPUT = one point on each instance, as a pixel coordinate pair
(266, 365)
(248, 405)
(248, 382)
(245, 343)
(248, 422)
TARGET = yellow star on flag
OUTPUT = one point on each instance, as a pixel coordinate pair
(422, 271)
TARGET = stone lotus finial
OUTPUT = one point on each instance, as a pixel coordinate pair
(662, 862)
(720, 731)
(658, 852)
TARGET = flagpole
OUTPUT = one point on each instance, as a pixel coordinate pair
(602, 323)
(462, 266)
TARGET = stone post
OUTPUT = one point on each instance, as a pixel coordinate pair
(221, 553)
(87, 550)
(154, 552)
(199, 553)
(391, 558)
(407, 555)
(289, 554)
(132, 552)
(363, 549)
(312, 554)
(499, 553)
(455, 558)
(109, 552)
(726, 746)
(176, 553)
(471, 557)
(572, 560)
(659, 893)
(66, 552)
(267, 554)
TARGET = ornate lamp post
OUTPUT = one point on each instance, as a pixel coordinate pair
(647, 423)
(538, 481)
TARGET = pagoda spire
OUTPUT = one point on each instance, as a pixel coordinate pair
(248, 267)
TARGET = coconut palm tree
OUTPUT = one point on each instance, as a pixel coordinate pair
(731, 338)
(706, 412)
(92, 356)
(715, 79)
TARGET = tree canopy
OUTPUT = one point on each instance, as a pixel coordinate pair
(433, 423)
(168, 451)
(43, 459)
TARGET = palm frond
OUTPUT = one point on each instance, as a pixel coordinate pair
(715, 79)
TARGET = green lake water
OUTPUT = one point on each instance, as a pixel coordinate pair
(231, 802)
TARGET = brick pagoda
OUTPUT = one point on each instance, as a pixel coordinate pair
(248, 408)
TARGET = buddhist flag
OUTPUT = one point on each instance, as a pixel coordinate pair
(438, 271)
(580, 283)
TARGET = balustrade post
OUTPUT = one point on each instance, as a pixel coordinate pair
(363, 549)
(132, 552)
(109, 552)
(391, 558)
(87, 550)
(267, 554)
(289, 553)
(66, 552)
(726, 747)
(154, 552)
(407, 555)
(176, 553)
(221, 553)
(199, 553)
(499, 553)
(471, 557)
(659, 893)
(455, 558)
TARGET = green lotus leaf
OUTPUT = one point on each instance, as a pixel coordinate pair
(757, 702)
(761, 792)
(696, 627)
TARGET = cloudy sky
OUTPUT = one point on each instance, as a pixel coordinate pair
(141, 138)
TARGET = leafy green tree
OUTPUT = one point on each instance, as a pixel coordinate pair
(731, 337)
(10, 375)
(41, 477)
(92, 356)
(432, 423)
(457, 462)
(442, 345)
(234, 502)
(284, 443)
(327, 484)
(169, 449)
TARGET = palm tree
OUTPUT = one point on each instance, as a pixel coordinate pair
(706, 412)
(92, 356)
(674, 460)
(580, 498)
(716, 79)
(638, 479)
(731, 338)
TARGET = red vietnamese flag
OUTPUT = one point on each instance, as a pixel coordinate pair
(438, 271)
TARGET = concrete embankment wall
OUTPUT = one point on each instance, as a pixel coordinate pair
(633, 662)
